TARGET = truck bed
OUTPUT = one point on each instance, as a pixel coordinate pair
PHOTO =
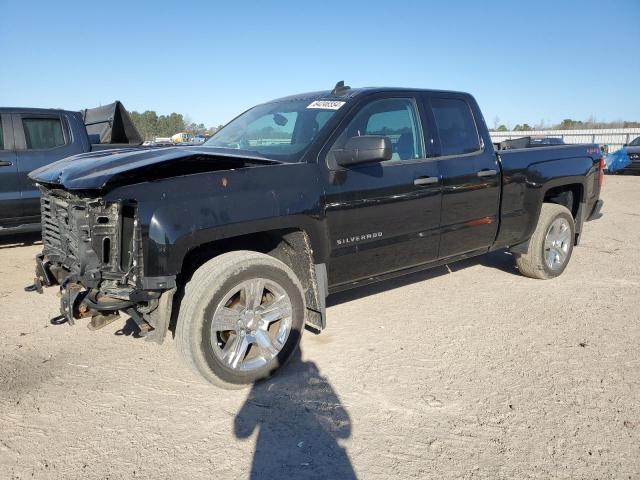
(553, 152)
(526, 170)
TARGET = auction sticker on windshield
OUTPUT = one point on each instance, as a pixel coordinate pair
(326, 104)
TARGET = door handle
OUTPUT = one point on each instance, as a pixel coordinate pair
(487, 173)
(5, 163)
(420, 181)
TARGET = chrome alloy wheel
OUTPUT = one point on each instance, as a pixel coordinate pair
(251, 324)
(557, 243)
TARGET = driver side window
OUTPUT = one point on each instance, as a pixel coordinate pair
(395, 118)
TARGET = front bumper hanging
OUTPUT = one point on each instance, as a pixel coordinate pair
(150, 309)
(44, 276)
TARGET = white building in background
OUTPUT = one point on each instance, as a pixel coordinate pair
(612, 138)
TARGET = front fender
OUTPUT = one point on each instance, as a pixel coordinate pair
(165, 255)
(179, 214)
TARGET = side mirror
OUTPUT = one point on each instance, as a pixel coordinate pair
(625, 145)
(364, 149)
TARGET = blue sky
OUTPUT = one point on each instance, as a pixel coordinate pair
(523, 61)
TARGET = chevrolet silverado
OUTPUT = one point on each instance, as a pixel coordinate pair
(234, 245)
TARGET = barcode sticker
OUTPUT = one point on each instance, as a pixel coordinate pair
(326, 104)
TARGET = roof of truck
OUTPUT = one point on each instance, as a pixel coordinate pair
(349, 93)
(32, 110)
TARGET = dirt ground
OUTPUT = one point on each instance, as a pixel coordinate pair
(471, 371)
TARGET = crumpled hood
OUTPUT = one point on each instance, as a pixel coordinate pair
(94, 170)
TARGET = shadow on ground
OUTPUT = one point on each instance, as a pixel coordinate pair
(299, 419)
(129, 329)
(500, 260)
(20, 240)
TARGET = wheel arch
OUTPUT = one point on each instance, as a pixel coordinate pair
(569, 192)
(573, 196)
(292, 246)
(569, 195)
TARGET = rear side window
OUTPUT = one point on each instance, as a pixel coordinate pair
(1, 136)
(456, 126)
(42, 133)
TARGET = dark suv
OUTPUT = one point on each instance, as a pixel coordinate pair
(633, 150)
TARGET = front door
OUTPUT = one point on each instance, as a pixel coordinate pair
(9, 186)
(41, 139)
(470, 176)
(384, 216)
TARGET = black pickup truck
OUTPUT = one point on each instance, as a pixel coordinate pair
(33, 137)
(234, 245)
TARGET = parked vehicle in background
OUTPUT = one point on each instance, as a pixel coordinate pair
(158, 142)
(529, 142)
(33, 137)
(181, 138)
(294, 199)
(541, 141)
(633, 151)
(200, 139)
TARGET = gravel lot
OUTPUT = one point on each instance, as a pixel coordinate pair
(471, 371)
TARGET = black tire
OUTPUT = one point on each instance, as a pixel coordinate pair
(533, 264)
(203, 294)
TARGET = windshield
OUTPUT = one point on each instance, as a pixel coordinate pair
(278, 131)
(636, 142)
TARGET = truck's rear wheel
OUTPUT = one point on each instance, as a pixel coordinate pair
(240, 319)
(551, 244)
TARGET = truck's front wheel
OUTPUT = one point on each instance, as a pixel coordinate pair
(551, 244)
(240, 319)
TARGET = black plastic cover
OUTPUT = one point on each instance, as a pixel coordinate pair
(111, 124)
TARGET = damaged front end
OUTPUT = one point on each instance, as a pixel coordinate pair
(93, 250)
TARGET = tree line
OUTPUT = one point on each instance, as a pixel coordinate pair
(566, 124)
(151, 125)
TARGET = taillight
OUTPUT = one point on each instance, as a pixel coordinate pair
(601, 178)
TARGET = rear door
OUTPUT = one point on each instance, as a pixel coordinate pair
(470, 175)
(9, 185)
(40, 139)
(384, 216)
